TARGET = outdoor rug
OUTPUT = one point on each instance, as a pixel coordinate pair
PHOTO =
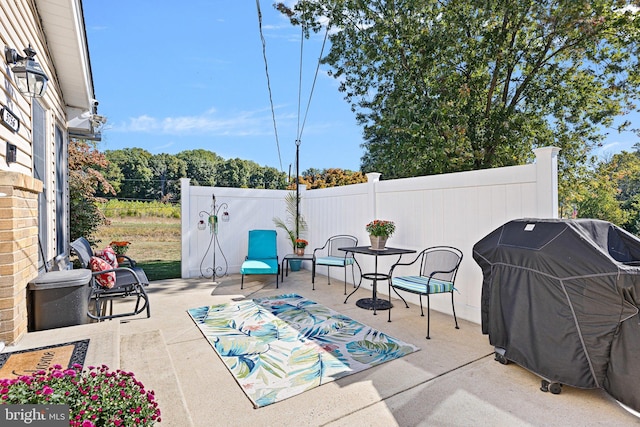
(278, 347)
(26, 362)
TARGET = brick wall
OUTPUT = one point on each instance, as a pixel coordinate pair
(18, 250)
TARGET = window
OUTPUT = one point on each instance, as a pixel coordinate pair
(38, 118)
(61, 193)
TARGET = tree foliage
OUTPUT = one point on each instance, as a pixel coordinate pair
(167, 171)
(201, 166)
(453, 85)
(85, 177)
(136, 174)
(134, 166)
(332, 177)
(613, 192)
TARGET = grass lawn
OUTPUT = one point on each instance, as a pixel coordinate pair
(155, 243)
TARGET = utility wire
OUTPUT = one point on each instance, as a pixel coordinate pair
(266, 69)
(315, 78)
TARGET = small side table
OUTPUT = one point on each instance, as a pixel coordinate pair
(289, 257)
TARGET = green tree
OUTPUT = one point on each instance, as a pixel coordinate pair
(256, 179)
(114, 176)
(235, 173)
(202, 166)
(446, 86)
(85, 176)
(613, 194)
(598, 200)
(167, 171)
(273, 178)
(134, 165)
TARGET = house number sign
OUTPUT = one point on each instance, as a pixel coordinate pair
(10, 120)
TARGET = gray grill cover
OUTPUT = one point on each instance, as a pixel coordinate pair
(561, 298)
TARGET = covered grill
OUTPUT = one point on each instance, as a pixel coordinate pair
(560, 298)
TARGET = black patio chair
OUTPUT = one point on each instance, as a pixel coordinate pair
(436, 274)
(130, 281)
(329, 256)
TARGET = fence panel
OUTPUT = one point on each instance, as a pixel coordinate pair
(453, 209)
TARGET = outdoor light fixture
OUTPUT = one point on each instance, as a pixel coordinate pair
(30, 78)
(11, 155)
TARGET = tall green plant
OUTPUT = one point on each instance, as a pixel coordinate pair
(289, 224)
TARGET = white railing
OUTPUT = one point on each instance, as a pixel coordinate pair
(453, 209)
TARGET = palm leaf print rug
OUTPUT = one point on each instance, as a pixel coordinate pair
(278, 347)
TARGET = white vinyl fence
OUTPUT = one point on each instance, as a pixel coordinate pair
(453, 209)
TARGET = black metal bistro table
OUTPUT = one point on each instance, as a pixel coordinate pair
(374, 303)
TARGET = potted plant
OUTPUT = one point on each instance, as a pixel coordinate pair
(294, 231)
(96, 396)
(379, 231)
(120, 248)
(300, 245)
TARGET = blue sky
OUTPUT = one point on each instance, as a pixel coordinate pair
(178, 76)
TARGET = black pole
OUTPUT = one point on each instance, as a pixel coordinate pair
(297, 189)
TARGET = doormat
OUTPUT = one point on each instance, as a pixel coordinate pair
(26, 362)
(279, 347)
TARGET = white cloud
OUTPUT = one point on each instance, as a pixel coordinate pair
(609, 146)
(211, 123)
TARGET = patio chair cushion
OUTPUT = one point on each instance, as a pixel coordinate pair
(106, 280)
(334, 260)
(109, 255)
(418, 284)
(260, 266)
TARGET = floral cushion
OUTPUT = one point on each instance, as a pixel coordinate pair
(109, 255)
(106, 280)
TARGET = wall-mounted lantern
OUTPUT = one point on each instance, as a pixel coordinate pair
(29, 76)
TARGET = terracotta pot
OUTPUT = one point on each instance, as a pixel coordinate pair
(378, 242)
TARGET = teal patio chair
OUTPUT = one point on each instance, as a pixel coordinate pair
(330, 256)
(438, 267)
(262, 257)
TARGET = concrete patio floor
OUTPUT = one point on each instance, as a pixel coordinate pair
(452, 381)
